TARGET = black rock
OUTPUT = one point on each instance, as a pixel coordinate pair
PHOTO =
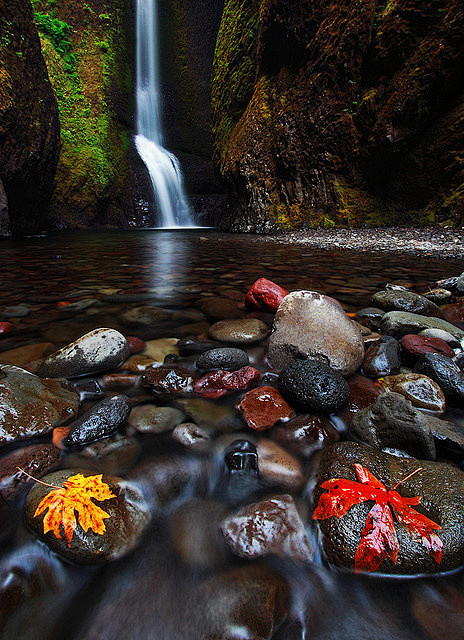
(313, 385)
(36, 460)
(100, 421)
(382, 358)
(189, 346)
(445, 372)
(226, 358)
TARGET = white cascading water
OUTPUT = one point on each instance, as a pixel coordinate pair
(163, 166)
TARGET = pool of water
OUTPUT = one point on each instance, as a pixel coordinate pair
(153, 594)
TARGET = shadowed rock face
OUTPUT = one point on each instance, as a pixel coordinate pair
(29, 126)
(339, 112)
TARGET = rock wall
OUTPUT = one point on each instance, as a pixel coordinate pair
(340, 112)
(29, 126)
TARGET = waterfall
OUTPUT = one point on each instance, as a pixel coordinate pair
(163, 166)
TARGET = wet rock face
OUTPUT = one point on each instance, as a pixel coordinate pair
(222, 358)
(440, 485)
(29, 125)
(396, 300)
(382, 358)
(446, 374)
(324, 98)
(102, 420)
(31, 407)
(37, 460)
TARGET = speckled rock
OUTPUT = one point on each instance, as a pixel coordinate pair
(31, 407)
(269, 527)
(37, 460)
(311, 324)
(438, 296)
(440, 485)
(383, 358)
(399, 300)
(149, 418)
(192, 435)
(446, 374)
(102, 420)
(415, 346)
(420, 390)
(313, 385)
(306, 434)
(400, 323)
(263, 407)
(128, 517)
(167, 382)
(393, 423)
(239, 331)
(278, 467)
(95, 351)
(226, 358)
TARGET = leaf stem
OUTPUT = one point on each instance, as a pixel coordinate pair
(39, 481)
(407, 478)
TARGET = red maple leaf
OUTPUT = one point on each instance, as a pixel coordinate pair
(378, 538)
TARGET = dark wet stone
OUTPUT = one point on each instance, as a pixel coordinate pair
(459, 360)
(460, 285)
(95, 351)
(31, 407)
(195, 534)
(363, 392)
(102, 420)
(16, 311)
(168, 381)
(439, 610)
(77, 307)
(239, 331)
(241, 456)
(149, 418)
(252, 599)
(209, 414)
(400, 300)
(120, 381)
(36, 460)
(393, 423)
(192, 435)
(454, 313)
(440, 485)
(370, 317)
(443, 335)
(269, 527)
(136, 345)
(311, 324)
(266, 295)
(306, 434)
(191, 346)
(420, 390)
(400, 323)
(7, 529)
(447, 434)
(226, 358)
(263, 407)
(278, 467)
(416, 346)
(220, 308)
(448, 283)
(219, 383)
(445, 372)
(113, 455)
(145, 316)
(382, 358)
(88, 390)
(313, 385)
(439, 296)
(128, 516)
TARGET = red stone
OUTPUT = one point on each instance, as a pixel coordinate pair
(418, 345)
(363, 392)
(136, 345)
(5, 327)
(219, 383)
(263, 407)
(454, 312)
(265, 295)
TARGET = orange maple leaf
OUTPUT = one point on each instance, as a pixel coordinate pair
(75, 497)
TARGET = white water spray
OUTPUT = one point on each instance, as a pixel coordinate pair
(163, 166)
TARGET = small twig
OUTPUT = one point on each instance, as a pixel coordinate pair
(40, 481)
(407, 477)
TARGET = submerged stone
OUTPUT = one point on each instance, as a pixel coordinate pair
(102, 420)
(239, 331)
(263, 407)
(399, 300)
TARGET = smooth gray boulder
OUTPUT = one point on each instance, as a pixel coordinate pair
(400, 323)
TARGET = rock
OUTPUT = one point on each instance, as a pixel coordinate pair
(31, 407)
(88, 389)
(305, 435)
(278, 467)
(144, 316)
(252, 599)
(419, 389)
(269, 527)
(128, 516)
(112, 455)
(16, 311)
(439, 610)
(311, 324)
(393, 423)
(77, 307)
(459, 285)
(265, 295)
(370, 317)
(313, 385)
(5, 327)
(195, 534)
(168, 381)
(136, 345)
(101, 421)
(438, 296)
(36, 460)
(445, 372)
(149, 418)
(120, 381)
(190, 346)
(263, 407)
(223, 358)
(95, 351)
(239, 331)
(400, 323)
(383, 358)
(443, 335)
(454, 313)
(221, 308)
(219, 383)
(363, 392)
(416, 345)
(4, 218)
(447, 434)
(139, 363)
(399, 300)
(440, 485)
(159, 349)
(206, 413)
(192, 435)
(21, 356)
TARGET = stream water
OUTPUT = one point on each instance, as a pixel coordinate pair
(153, 594)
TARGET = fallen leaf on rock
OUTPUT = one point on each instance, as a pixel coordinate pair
(75, 497)
(378, 538)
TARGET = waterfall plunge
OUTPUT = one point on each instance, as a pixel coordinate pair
(163, 166)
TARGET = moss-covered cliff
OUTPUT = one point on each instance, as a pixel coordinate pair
(88, 48)
(340, 112)
(29, 127)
